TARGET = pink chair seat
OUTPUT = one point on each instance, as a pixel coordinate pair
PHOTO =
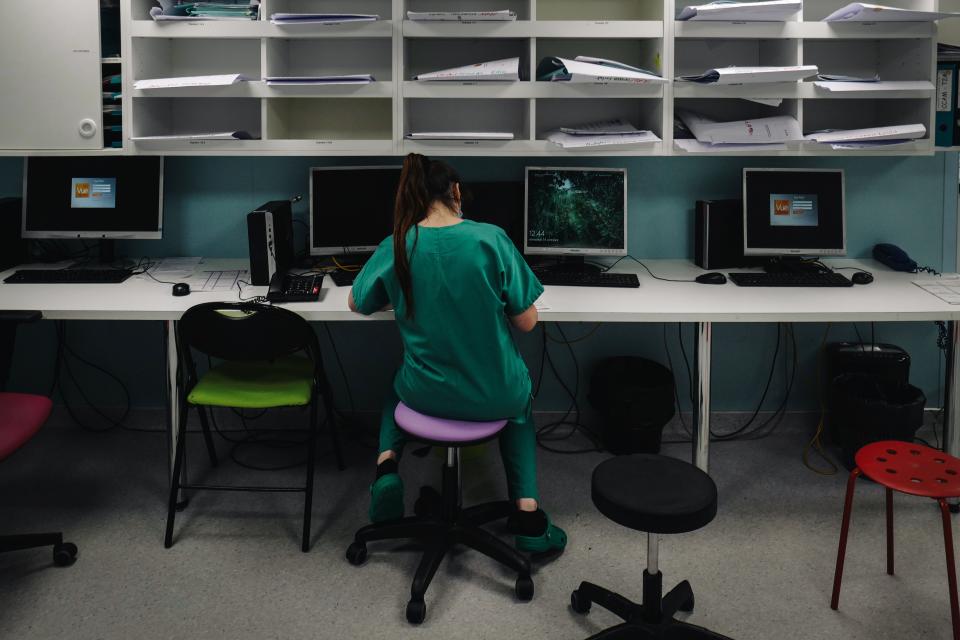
(21, 416)
(442, 430)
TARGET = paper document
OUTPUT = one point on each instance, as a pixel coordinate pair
(220, 80)
(504, 15)
(361, 78)
(617, 65)
(748, 75)
(769, 11)
(322, 18)
(170, 268)
(886, 85)
(868, 144)
(563, 70)
(205, 281)
(606, 127)
(898, 132)
(219, 135)
(460, 135)
(863, 12)
(507, 69)
(833, 77)
(541, 304)
(691, 145)
(946, 287)
(770, 102)
(601, 134)
(170, 10)
(770, 130)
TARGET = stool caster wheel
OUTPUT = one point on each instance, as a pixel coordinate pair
(524, 588)
(357, 553)
(416, 611)
(64, 554)
(429, 503)
(579, 603)
(687, 607)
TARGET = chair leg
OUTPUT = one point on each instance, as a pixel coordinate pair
(411, 527)
(493, 547)
(207, 436)
(889, 509)
(429, 564)
(844, 530)
(680, 598)
(333, 429)
(481, 514)
(951, 567)
(175, 480)
(619, 632)
(589, 593)
(308, 489)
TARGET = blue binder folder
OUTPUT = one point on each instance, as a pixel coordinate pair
(946, 100)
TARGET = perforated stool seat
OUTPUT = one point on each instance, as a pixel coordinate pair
(441, 522)
(911, 469)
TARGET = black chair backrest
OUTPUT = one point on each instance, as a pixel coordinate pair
(245, 331)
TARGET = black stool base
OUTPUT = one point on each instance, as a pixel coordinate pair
(64, 553)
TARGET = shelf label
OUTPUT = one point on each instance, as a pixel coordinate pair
(323, 141)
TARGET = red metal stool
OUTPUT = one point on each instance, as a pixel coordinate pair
(915, 470)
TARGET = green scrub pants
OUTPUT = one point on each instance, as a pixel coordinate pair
(518, 448)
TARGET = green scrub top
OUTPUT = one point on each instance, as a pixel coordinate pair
(459, 360)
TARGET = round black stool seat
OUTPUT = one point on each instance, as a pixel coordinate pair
(654, 493)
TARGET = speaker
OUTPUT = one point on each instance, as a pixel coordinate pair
(718, 236)
(13, 249)
(270, 235)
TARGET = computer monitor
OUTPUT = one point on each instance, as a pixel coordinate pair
(575, 211)
(93, 197)
(793, 212)
(497, 203)
(351, 208)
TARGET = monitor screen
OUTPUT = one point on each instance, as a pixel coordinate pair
(351, 208)
(576, 211)
(498, 203)
(93, 197)
(793, 212)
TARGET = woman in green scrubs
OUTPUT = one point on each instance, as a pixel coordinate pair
(457, 287)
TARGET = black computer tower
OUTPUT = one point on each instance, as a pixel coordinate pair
(13, 248)
(270, 235)
(883, 360)
(718, 236)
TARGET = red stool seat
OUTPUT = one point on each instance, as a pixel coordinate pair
(21, 416)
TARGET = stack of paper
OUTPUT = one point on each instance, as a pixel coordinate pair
(768, 10)
(863, 12)
(946, 287)
(220, 80)
(595, 70)
(171, 10)
(360, 78)
(751, 75)
(866, 85)
(760, 133)
(321, 18)
(218, 135)
(947, 52)
(460, 135)
(601, 134)
(868, 138)
(508, 69)
(833, 77)
(504, 15)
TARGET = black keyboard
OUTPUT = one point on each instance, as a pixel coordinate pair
(297, 289)
(68, 276)
(587, 279)
(826, 279)
(343, 278)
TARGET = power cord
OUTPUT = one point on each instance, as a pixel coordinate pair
(652, 274)
(815, 446)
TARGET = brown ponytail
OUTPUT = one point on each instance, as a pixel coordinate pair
(422, 182)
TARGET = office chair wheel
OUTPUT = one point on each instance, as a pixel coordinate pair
(357, 553)
(524, 588)
(687, 607)
(64, 554)
(579, 603)
(416, 611)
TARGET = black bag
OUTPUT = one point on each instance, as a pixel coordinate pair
(635, 397)
(868, 408)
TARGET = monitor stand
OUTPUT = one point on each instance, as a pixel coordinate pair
(792, 264)
(576, 264)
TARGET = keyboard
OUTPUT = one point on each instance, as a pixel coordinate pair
(296, 289)
(343, 278)
(68, 276)
(587, 279)
(826, 279)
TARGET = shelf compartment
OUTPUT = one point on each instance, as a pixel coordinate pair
(642, 53)
(600, 10)
(166, 58)
(382, 8)
(427, 55)
(696, 55)
(478, 115)
(819, 114)
(786, 90)
(520, 7)
(553, 113)
(816, 10)
(320, 56)
(891, 59)
(729, 110)
(328, 120)
(184, 116)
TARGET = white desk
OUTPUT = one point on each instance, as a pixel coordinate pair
(890, 298)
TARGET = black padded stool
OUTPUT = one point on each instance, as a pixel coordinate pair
(658, 495)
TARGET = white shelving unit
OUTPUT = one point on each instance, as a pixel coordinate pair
(374, 119)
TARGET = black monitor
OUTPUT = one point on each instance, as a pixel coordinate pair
(793, 212)
(497, 203)
(351, 208)
(93, 197)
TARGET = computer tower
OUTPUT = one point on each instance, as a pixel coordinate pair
(882, 360)
(270, 235)
(718, 236)
(13, 248)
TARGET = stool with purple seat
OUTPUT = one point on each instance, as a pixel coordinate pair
(453, 524)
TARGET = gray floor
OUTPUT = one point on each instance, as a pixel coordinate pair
(762, 569)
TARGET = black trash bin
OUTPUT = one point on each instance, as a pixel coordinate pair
(635, 398)
(868, 408)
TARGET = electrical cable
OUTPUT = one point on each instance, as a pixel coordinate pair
(766, 389)
(815, 445)
(345, 267)
(652, 274)
(676, 393)
(588, 334)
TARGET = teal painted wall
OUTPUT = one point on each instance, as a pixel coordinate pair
(909, 201)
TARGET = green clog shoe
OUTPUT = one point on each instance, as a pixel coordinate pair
(386, 498)
(553, 541)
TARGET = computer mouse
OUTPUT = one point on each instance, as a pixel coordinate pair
(181, 289)
(862, 277)
(714, 277)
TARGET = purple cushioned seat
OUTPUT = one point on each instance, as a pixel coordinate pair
(443, 431)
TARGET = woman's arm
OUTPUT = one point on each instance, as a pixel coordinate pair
(526, 321)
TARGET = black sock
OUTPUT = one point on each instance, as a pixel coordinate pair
(387, 466)
(527, 523)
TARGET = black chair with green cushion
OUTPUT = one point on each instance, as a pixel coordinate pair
(262, 357)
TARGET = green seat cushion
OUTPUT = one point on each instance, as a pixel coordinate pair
(283, 382)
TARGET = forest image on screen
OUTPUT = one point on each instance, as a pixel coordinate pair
(575, 209)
